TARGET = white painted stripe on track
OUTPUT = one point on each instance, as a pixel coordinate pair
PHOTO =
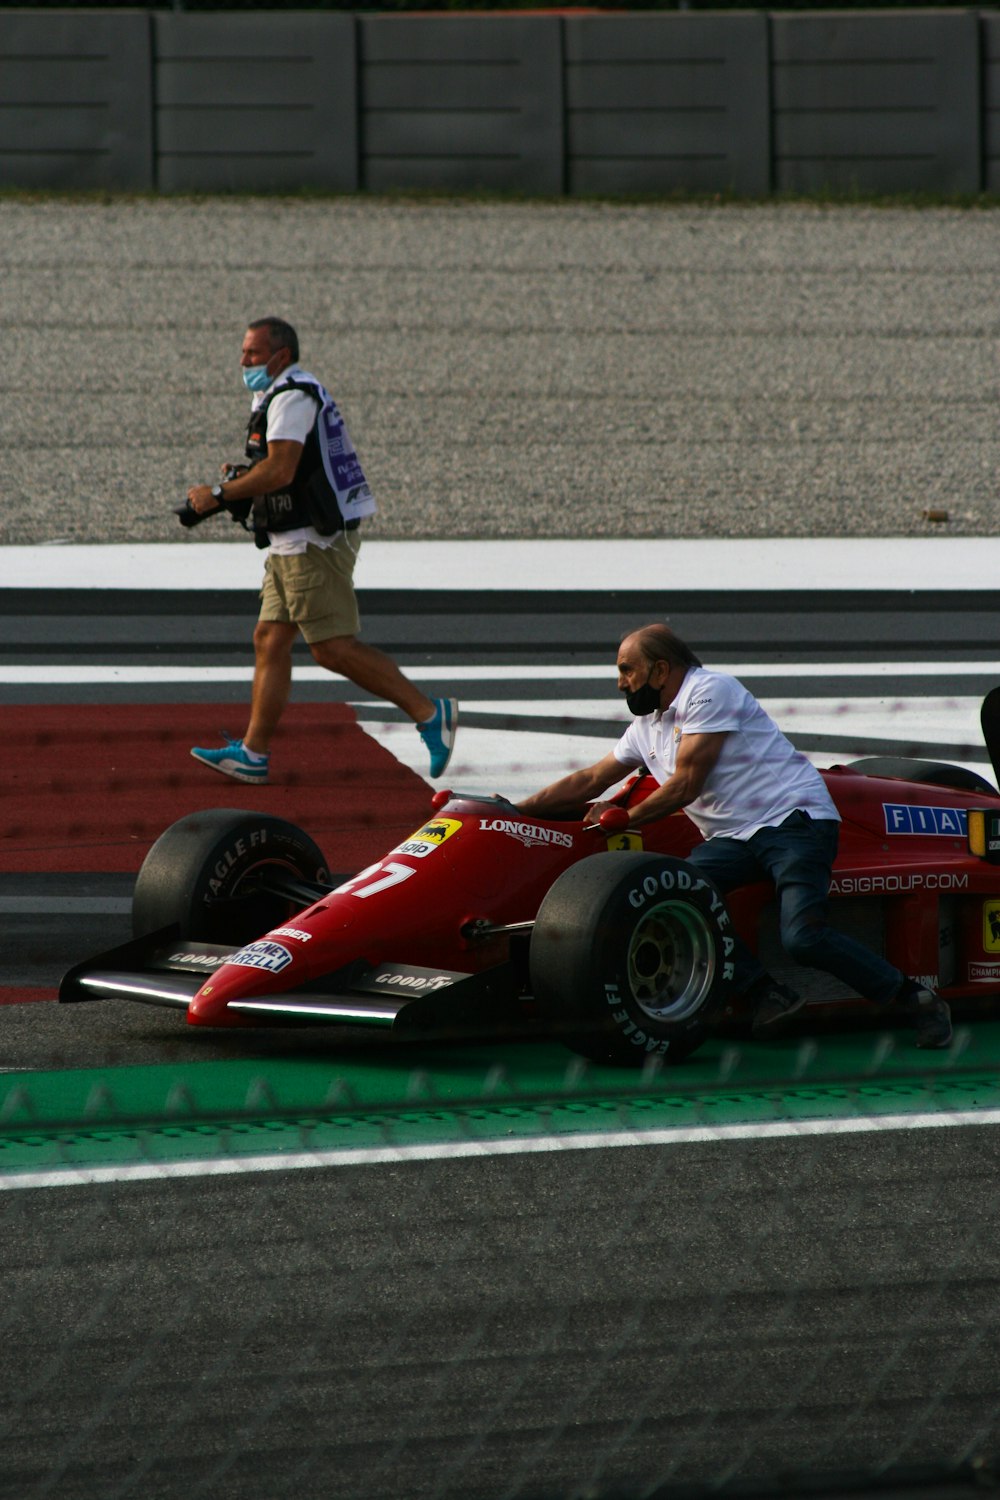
(529, 1145)
(64, 674)
(887, 565)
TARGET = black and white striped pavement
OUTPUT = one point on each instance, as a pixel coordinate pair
(855, 647)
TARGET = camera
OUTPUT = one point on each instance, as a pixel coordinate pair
(238, 510)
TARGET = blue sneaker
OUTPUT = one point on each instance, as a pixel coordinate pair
(438, 734)
(234, 761)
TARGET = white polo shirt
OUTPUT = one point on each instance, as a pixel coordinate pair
(759, 777)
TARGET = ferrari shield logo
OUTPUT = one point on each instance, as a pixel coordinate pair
(991, 926)
(625, 841)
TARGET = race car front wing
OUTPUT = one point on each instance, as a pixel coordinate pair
(161, 969)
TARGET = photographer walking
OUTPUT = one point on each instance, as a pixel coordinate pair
(304, 495)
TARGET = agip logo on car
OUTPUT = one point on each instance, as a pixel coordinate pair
(430, 837)
(271, 957)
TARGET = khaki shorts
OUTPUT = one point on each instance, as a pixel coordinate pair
(314, 590)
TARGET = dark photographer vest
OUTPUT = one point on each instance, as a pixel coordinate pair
(310, 499)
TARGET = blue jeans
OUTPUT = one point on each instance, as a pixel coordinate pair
(797, 856)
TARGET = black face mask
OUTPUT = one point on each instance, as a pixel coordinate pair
(645, 700)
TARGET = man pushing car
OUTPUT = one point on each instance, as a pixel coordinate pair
(763, 812)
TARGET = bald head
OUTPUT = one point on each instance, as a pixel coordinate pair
(652, 664)
(659, 643)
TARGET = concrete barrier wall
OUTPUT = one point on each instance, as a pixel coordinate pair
(751, 103)
(75, 105)
(991, 103)
(660, 108)
(456, 102)
(256, 102)
(881, 103)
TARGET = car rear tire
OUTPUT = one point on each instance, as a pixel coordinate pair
(207, 873)
(928, 772)
(631, 957)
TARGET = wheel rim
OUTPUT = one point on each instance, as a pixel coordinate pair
(672, 961)
(248, 909)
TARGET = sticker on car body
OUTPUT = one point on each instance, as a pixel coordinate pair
(935, 822)
(991, 926)
(531, 835)
(625, 841)
(429, 838)
(272, 957)
(898, 885)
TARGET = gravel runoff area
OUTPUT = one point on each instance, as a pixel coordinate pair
(513, 369)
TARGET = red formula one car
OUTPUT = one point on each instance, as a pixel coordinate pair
(487, 923)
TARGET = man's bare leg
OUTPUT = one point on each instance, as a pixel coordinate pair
(272, 680)
(369, 668)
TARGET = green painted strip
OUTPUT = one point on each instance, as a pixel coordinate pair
(171, 1113)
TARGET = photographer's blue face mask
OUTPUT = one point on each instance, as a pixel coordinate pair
(256, 378)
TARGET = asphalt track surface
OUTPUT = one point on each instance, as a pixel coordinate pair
(549, 1323)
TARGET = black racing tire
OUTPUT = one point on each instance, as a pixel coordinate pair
(631, 958)
(204, 874)
(927, 772)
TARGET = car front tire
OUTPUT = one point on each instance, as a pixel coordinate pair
(631, 957)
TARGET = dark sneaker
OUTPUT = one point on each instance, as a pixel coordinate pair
(773, 1004)
(931, 1016)
(233, 760)
(438, 733)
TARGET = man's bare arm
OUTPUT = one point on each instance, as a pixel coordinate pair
(696, 755)
(565, 796)
(275, 471)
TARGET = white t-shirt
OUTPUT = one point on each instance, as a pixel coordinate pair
(290, 419)
(759, 777)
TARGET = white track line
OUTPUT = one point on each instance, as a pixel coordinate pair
(529, 1145)
(651, 564)
(86, 674)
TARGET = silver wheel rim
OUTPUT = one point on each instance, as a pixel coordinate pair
(671, 961)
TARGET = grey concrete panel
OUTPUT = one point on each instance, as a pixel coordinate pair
(74, 100)
(705, 76)
(840, 82)
(500, 78)
(476, 137)
(239, 87)
(990, 46)
(683, 138)
(257, 101)
(238, 131)
(900, 84)
(61, 79)
(441, 85)
(905, 135)
(673, 86)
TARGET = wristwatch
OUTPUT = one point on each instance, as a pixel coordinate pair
(217, 494)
